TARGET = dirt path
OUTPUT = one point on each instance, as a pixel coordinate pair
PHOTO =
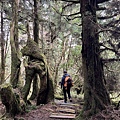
(57, 110)
(45, 112)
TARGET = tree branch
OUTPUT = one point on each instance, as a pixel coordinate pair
(73, 18)
(74, 14)
(110, 60)
(107, 17)
(108, 30)
(111, 49)
(101, 1)
(101, 8)
(77, 1)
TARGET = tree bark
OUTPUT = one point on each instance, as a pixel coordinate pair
(36, 22)
(28, 80)
(36, 39)
(96, 97)
(35, 87)
(2, 74)
(15, 60)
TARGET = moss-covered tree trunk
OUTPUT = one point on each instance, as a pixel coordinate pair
(50, 88)
(28, 80)
(36, 22)
(35, 87)
(46, 93)
(38, 65)
(96, 97)
(15, 60)
(11, 100)
(42, 95)
(36, 39)
(2, 73)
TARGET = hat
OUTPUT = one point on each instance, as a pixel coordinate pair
(65, 71)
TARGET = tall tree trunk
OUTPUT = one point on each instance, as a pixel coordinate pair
(15, 61)
(96, 97)
(62, 56)
(2, 74)
(36, 22)
(41, 31)
(36, 39)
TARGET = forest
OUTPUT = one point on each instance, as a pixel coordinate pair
(40, 39)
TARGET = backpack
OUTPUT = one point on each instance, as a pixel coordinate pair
(68, 82)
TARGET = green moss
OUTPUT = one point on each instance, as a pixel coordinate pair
(10, 99)
(59, 97)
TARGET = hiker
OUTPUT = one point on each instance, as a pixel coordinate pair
(66, 87)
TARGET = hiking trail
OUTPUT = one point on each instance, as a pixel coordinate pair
(65, 110)
(57, 110)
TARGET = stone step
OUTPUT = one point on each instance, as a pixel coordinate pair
(62, 115)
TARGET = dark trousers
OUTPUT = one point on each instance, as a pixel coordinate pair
(66, 92)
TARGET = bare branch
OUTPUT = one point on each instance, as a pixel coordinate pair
(74, 14)
(101, 8)
(101, 1)
(107, 17)
(77, 1)
(110, 60)
(111, 49)
(110, 30)
(73, 18)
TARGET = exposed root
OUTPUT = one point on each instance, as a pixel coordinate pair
(109, 114)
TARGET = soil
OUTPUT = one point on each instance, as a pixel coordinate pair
(41, 113)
